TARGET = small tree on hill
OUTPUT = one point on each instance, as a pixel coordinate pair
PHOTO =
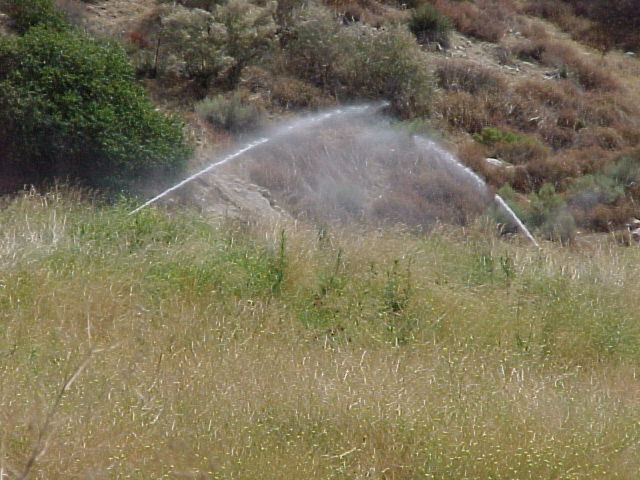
(214, 44)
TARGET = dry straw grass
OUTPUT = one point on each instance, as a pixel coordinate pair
(343, 354)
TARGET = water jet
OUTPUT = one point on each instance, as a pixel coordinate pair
(328, 164)
(451, 159)
(279, 132)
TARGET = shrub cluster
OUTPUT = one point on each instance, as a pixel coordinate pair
(230, 112)
(359, 61)
(70, 108)
(215, 44)
(210, 42)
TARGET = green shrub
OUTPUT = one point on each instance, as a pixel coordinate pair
(490, 136)
(314, 47)
(625, 169)
(250, 31)
(430, 26)
(213, 45)
(591, 190)
(229, 112)
(30, 13)
(359, 61)
(190, 43)
(549, 214)
(509, 146)
(544, 211)
(70, 107)
(608, 186)
(387, 64)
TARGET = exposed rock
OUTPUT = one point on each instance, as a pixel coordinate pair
(224, 195)
(496, 162)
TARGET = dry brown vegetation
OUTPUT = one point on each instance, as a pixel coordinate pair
(579, 105)
(482, 19)
(363, 171)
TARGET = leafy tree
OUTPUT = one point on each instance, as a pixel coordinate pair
(192, 42)
(388, 64)
(315, 46)
(70, 107)
(250, 31)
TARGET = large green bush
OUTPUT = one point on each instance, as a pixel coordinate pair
(70, 108)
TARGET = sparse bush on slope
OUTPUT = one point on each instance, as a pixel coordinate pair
(467, 76)
(429, 25)
(229, 112)
(70, 108)
(213, 44)
(359, 61)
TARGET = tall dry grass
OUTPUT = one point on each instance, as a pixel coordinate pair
(237, 352)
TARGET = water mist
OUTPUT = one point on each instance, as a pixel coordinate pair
(350, 163)
(448, 157)
(297, 124)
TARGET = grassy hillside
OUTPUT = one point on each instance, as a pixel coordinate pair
(192, 350)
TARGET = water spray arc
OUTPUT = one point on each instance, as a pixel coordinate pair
(450, 159)
(296, 125)
(436, 154)
(507, 209)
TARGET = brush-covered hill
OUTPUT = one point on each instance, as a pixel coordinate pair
(548, 90)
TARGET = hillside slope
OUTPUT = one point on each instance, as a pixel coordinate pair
(561, 119)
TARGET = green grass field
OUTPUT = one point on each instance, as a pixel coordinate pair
(164, 346)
